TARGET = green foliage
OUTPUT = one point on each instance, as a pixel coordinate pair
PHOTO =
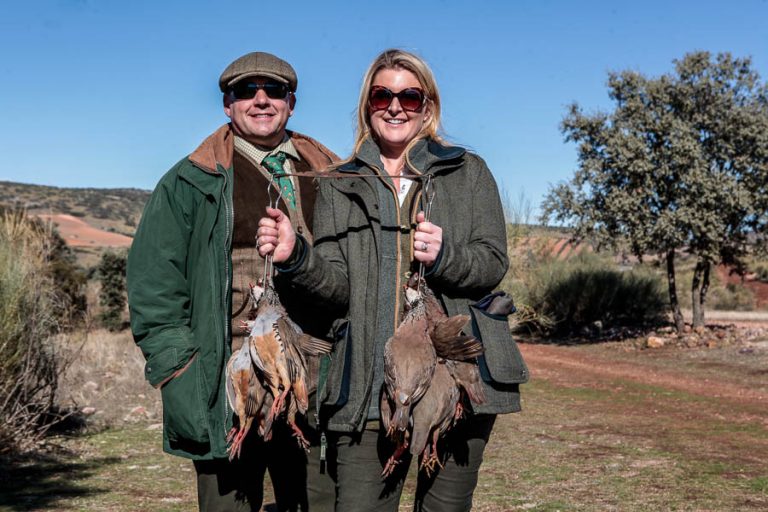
(112, 297)
(30, 306)
(587, 291)
(682, 162)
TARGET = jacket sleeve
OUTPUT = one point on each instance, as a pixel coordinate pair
(322, 269)
(158, 291)
(479, 265)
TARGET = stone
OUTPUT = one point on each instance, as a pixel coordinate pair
(88, 411)
(655, 342)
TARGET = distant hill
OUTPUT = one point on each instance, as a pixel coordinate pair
(90, 220)
(116, 210)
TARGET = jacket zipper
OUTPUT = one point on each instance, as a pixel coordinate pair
(361, 410)
(228, 214)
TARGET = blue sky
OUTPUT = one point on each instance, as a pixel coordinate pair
(103, 93)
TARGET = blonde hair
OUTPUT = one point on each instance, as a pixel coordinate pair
(400, 59)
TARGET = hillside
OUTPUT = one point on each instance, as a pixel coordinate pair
(90, 220)
(116, 210)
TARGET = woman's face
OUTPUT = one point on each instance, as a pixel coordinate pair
(393, 126)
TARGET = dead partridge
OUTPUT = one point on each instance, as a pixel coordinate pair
(409, 361)
(433, 416)
(245, 394)
(400, 438)
(451, 344)
(278, 348)
(444, 331)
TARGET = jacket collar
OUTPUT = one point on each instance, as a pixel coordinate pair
(218, 149)
(426, 156)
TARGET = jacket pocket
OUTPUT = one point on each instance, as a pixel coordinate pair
(333, 387)
(502, 361)
(184, 404)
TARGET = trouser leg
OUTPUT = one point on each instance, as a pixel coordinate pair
(236, 486)
(451, 488)
(297, 479)
(321, 476)
(360, 459)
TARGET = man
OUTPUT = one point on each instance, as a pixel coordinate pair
(188, 272)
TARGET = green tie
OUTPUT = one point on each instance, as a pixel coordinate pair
(274, 164)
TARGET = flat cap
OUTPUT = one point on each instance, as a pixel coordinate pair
(258, 64)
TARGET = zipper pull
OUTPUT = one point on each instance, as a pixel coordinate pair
(323, 449)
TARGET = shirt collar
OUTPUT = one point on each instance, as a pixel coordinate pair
(259, 154)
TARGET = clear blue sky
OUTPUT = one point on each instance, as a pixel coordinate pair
(105, 93)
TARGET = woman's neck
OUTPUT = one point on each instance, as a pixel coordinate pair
(393, 164)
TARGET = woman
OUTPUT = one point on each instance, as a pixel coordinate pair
(370, 232)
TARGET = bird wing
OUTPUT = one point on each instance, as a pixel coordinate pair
(467, 375)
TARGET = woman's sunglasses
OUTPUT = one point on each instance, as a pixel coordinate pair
(411, 99)
(247, 90)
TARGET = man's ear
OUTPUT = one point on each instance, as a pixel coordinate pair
(291, 102)
(227, 104)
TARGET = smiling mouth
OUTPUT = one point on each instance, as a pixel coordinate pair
(394, 121)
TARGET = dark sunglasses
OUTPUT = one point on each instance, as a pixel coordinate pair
(411, 99)
(247, 90)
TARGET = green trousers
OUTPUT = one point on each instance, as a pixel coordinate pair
(357, 461)
(299, 482)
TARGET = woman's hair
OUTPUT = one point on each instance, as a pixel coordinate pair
(400, 59)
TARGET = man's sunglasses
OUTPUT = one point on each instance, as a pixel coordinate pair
(247, 90)
(411, 99)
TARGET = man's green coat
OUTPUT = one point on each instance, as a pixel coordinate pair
(179, 291)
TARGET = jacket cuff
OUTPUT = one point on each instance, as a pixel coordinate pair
(170, 352)
(433, 268)
(296, 259)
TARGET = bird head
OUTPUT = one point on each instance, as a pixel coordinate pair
(257, 291)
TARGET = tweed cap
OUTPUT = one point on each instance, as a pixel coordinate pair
(258, 64)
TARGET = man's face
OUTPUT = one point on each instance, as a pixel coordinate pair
(260, 120)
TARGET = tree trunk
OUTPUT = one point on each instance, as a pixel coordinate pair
(699, 288)
(673, 302)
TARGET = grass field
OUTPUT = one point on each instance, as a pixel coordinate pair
(604, 427)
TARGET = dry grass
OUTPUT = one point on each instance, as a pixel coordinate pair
(605, 428)
(107, 375)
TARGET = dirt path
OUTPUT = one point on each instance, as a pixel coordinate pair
(578, 366)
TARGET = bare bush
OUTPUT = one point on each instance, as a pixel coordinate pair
(29, 306)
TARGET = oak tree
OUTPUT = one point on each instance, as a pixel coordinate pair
(680, 164)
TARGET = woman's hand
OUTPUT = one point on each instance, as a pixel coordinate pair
(427, 241)
(275, 236)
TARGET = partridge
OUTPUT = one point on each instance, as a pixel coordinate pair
(245, 395)
(433, 416)
(278, 348)
(409, 361)
(451, 344)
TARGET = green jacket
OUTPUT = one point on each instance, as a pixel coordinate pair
(355, 238)
(179, 292)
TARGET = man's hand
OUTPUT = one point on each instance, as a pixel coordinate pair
(276, 236)
(427, 241)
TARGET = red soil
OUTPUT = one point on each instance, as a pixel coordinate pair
(77, 233)
(758, 288)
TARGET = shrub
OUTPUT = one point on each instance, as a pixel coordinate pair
(29, 302)
(587, 291)
(112, 297)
